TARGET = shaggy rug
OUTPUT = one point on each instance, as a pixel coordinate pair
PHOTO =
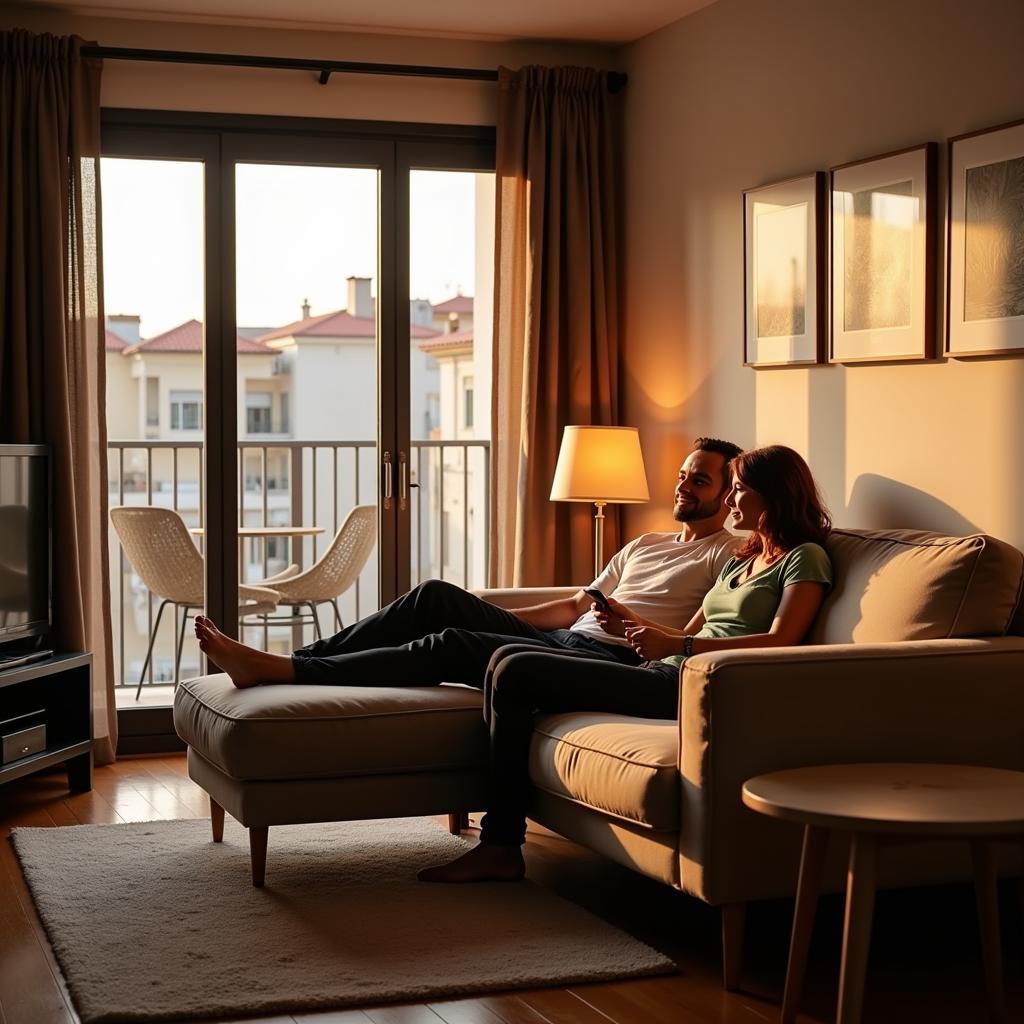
(154, 921)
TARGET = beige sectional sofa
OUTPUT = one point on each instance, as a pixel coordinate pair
(917, 655)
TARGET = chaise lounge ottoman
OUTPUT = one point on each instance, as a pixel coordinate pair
(279, 755)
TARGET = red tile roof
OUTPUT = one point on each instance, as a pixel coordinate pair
(188, 337)
(338, 324)
(451, 339)
(457, 304)
(114, 343)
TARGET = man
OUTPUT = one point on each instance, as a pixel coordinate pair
(439, 632)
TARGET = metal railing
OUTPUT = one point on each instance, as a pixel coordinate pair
(307, 483)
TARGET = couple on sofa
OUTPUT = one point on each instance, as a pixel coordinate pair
(761, 592)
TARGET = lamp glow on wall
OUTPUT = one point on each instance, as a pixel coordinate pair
(602, 465)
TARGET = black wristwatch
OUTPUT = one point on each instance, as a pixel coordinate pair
(687, 645)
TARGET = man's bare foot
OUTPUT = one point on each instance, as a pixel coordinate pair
(486, 862)
(245, 665)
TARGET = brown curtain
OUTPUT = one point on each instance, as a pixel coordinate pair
(51, 363)
(555, 315)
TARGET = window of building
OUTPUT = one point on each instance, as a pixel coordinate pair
(186, 410)
(433, 415)
(286, 412)
(467, 402)
(152, 401)
(259, 407)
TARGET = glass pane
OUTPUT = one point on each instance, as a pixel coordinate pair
(306, 305)
(153, 281)
(451, 284)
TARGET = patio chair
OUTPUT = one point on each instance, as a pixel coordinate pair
(335, 571)
(160, 549)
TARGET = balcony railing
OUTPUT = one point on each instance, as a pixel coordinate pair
(302, 483)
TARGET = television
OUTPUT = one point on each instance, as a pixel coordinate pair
(25, 548)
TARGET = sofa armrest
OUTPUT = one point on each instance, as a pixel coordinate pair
(743, 713)
(523, 597)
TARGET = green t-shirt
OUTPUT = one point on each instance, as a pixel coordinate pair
(734, 608)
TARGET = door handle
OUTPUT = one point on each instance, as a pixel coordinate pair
(387, 480)
(403, 482)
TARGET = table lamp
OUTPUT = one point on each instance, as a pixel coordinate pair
(602, 465)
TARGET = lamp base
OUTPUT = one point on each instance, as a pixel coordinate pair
(599, 537)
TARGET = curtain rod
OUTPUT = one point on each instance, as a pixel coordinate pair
(616, 79)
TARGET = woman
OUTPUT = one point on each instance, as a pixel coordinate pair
(767, 595)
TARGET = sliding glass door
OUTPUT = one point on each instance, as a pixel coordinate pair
(155, 278)
(334, 273)
(307, 291)
(451, 272)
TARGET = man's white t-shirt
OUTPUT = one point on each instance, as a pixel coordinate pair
(661, 578)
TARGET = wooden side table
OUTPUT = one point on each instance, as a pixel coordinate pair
(876, 802)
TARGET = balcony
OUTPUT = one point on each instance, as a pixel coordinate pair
(301, 483)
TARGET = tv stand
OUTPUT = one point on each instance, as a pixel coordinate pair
(46, 717)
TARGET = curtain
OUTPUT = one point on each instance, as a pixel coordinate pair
(555, 316)
(51, 363)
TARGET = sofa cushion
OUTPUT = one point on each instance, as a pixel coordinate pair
(308, 732)
(893, 585)
(626, 767)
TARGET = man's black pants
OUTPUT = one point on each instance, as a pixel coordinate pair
(437, 633)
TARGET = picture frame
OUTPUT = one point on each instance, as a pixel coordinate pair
(784, 266)
(884, 227)
(985, 251)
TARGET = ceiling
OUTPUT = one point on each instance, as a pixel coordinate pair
(596, 21)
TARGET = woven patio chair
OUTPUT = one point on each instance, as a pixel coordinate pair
(157, 543)
(335, 571)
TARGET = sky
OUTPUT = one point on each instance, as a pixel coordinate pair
(301, 232)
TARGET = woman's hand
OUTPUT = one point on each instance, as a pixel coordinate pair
(614, 622)
(653, 644)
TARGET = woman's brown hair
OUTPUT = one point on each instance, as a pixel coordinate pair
(794, 512)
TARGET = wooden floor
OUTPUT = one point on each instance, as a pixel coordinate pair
(925, 958)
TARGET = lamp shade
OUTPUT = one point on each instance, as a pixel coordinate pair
(602, 464)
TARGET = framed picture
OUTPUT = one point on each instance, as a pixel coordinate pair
(784, 272)
(985, 296)
(884, 237)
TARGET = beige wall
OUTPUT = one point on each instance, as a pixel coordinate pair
(744, 93)
(296, 93)
(122, 398)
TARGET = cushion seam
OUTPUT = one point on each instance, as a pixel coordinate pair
(605, 753)
(327, 718)
(912, 543)
(966, 590)
(357, 773)
(603, 810)
(890, 656)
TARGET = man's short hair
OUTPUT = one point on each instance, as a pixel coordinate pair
(726, 449)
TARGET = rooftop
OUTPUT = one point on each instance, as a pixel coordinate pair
(113, 343)
(338, 324)
(451, 339)
(456, 304)
(188, 337)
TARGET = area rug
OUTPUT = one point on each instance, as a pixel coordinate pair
(153, 921)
